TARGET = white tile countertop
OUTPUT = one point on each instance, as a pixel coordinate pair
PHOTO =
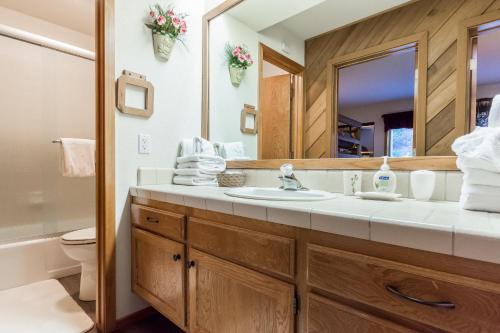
(437, 226)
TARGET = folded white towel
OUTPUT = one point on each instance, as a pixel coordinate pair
(78, 157)
(481, 177)
(194, 172)
(201, 158)
(194, 181)
(480, 197)
(196, 146)
(494, 116)
(479, 149)
(207, 168)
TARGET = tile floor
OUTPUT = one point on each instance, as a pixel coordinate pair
(153, 324)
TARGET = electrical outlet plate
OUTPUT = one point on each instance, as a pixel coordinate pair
(144, 144)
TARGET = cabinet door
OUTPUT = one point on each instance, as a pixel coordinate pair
(324, 316)
(228, 298)
(158, 273)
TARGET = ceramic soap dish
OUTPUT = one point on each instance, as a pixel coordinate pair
(378, 196)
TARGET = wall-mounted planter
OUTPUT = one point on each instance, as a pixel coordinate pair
(163, 45)
(236, 74)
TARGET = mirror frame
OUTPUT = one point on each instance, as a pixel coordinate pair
(439, 163)
(466, 30)
(417, 41)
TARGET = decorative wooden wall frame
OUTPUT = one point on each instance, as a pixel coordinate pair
(249, 110)
(138, 80)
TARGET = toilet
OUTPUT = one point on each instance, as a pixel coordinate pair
(80, 245)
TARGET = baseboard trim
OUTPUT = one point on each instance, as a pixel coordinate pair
(134, 317)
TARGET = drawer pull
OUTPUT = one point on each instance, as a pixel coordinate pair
(152, 220)
(177, 257)
(190, 264)
(395, 291)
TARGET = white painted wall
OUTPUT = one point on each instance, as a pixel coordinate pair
(226, 101)
(488, 90)
(177, 115)
(374, 112)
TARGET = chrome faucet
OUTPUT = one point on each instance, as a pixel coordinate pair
(288, 179)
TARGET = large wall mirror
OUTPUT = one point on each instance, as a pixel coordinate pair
(327, 82)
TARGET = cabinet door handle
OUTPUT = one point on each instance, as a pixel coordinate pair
(190, 263)
(177, 257)
(395, 291)
(152, 220)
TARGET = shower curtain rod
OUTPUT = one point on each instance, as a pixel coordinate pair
(31, 38)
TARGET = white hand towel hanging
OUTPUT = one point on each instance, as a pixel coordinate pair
(494, 115)
(77, 157)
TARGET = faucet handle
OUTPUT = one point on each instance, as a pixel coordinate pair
(287, 169)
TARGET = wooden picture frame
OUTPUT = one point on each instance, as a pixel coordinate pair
(249, 110)
(129, 78)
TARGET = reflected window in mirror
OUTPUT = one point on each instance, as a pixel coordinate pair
(484, 67)
(375, 106)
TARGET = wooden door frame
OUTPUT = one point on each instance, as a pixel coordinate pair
(420, 97)
(105, 165)
(297, 120)
(466, 31)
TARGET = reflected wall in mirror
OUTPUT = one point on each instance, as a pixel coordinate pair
(302, 118)
(375, 106)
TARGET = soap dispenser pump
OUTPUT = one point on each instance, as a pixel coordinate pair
(385, 179)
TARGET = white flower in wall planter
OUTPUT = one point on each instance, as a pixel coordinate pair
(167, 27)
(238, 59)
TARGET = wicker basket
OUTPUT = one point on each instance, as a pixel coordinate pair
(231, 179)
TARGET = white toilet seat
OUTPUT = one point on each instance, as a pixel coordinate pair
(79, 237)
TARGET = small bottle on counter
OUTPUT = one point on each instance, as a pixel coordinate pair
(385, 179)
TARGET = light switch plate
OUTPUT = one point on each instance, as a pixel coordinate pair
(144, 144)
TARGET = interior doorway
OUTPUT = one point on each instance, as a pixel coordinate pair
(281, 106)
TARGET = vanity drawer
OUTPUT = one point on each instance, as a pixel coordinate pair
(272, 253)
(441, 300)
(159, 221)
(324, 315)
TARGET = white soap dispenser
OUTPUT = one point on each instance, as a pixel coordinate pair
(385, 180)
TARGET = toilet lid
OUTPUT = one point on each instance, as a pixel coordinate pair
(78, 237)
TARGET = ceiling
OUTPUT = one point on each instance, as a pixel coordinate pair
(76, 15)
(308, 18)
(385, 79)
(488, 54)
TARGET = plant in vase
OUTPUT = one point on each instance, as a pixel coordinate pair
(238, 60)
(167, 27)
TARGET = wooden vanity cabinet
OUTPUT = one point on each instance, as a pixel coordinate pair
(210, 272)
(158, 273)
(225, 297)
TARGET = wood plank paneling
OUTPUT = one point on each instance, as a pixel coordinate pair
(440, 125)
(440, 18)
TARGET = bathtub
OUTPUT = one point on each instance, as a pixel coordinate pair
(30, 261)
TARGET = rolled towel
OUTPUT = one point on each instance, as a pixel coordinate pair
(479, 149)
(78, 157)
(494, 115)
(481, 177)
(194, 181)
(196, 146)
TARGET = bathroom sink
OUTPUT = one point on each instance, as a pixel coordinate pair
(276, 194)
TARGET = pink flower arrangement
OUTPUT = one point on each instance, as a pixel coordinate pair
(167, 22)
(238, 56)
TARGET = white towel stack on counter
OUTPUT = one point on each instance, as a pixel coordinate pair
(198, 164)
(479, 159)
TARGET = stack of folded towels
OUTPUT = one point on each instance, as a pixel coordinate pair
(479, 159)
(197, 163)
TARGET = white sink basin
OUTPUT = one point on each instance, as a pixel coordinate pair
(276, 194)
